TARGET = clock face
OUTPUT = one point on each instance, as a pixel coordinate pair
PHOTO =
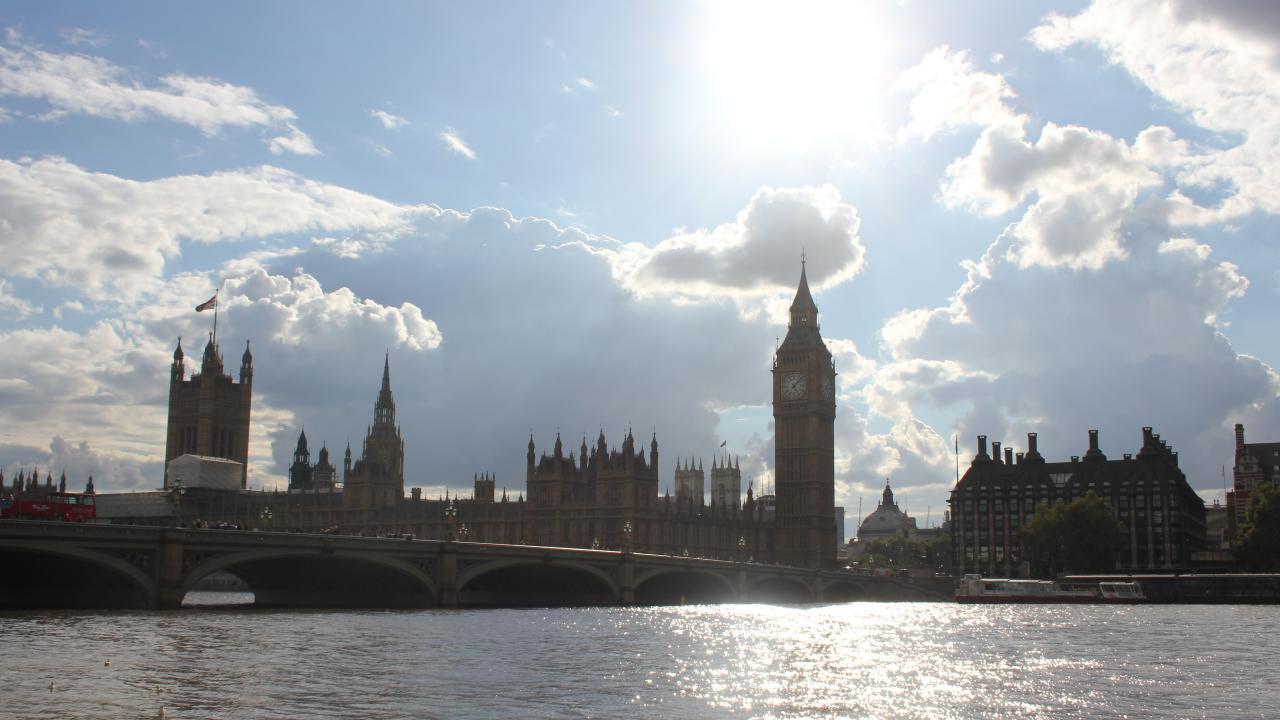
(793, 386)
(828, 391)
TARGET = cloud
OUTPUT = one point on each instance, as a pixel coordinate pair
(108, 236)
(584, 82)
(88, 85)
(388, 120)
(1054, 351)
(1216, 62)
(81, 36)
(949, 93)
(11, 303)
(454, 142)
(1085, 182)
(753, 259)
(295, 142)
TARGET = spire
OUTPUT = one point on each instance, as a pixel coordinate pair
(384, 410)
(803, 300)
(177, 352)
(212, 361)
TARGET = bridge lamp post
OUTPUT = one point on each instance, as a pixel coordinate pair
(595, 543)
(742, 546)
(177, 490)
(265, 515)
(626, 536)
(464, 532)
(450, 516)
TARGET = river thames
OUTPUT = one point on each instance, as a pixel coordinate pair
(872, 660)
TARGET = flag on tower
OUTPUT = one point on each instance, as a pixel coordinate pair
(722, 445)
(208, 304)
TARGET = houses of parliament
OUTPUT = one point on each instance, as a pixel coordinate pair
(600, 495)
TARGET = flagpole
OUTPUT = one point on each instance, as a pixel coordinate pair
(215, 318)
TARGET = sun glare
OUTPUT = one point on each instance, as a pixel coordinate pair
(797, 75)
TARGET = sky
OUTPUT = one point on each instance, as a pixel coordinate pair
(567, 217)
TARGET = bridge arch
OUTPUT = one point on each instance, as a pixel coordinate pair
(836, 591)
(680, 585)
(783, 588)
(535, 582)
(329, 578)
(68, 575)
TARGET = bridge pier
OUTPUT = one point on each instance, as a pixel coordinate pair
(627, 586)
(169, 590)
(448, 575)
(741, 584)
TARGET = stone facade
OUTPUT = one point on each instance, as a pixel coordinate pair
(209, 413)
(804, 413)
(1255, 465)
(1163, 517)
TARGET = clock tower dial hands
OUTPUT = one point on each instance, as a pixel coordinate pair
(793, 386)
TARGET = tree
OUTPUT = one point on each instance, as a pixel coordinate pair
(1258, 546)
(1079, 536)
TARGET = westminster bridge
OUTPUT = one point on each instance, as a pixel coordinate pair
(54, 564)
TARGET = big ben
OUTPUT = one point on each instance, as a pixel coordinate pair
(804, 413)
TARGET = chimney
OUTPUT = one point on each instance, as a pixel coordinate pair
(1008, 456)
(1032, 455)
(1075, 458)
(1019, 458)
(995, 451)
(982, 450)
(1128, 456)
(1146, 437)
(1094, 453)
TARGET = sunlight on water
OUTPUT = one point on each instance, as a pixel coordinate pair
(875, 660)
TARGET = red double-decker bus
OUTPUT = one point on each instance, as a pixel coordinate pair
(70, 507)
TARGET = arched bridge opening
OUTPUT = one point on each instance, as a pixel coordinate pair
(780, 590)
(683, 587)
(535, 584)
(322, 580)
(839, 592)
(73, 578)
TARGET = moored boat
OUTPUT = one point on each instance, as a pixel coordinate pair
(977, 589)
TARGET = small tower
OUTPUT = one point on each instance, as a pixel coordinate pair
(209, 413)
(300, 470)
(726, 484)
(484, 483)
(323, 473)
(690, 487)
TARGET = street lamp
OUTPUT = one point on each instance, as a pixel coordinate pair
(266, 517)
(463, 532)
(595, 543)
(176, 491)
(450, 516)
(742, 545)
(626, 535)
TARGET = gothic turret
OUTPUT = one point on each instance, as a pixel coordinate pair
(211, 363)
(246, 365)
(177, 371)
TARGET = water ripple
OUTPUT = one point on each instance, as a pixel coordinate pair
(866, 660)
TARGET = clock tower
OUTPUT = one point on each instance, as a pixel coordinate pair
(804, 413)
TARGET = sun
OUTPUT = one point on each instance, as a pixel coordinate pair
(797, 75)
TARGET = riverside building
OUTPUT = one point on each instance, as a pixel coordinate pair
(1162, 515)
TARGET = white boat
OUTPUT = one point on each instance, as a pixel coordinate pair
(977, 589)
